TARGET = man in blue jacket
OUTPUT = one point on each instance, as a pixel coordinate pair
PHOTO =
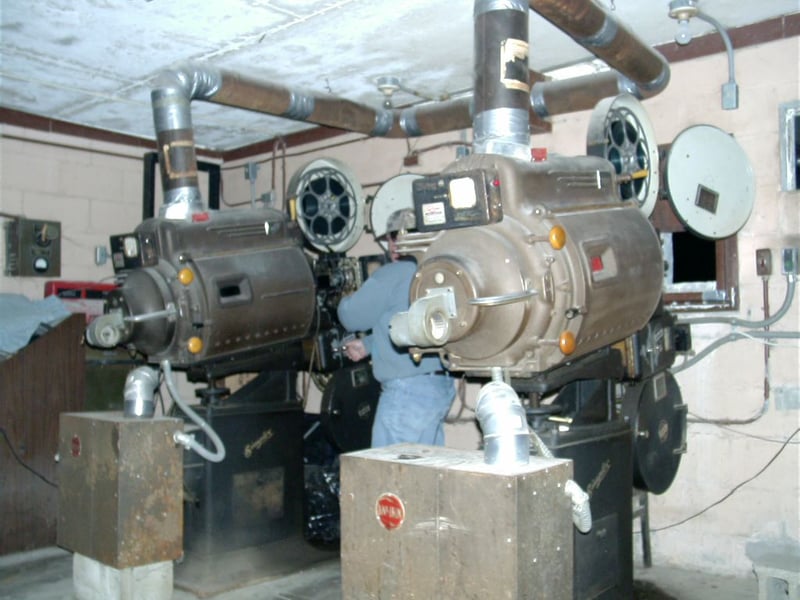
(415, 396)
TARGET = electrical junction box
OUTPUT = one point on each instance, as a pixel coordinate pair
(33, 248)
(428, 522)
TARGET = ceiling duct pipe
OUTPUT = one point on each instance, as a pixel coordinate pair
(642, 71)
(501, 96)
(562, 96)
(176, 88)
(172, 117)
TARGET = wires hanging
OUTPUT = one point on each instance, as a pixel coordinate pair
(736, 488)
(21, 462)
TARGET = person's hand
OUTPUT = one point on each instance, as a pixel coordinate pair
(355, 350)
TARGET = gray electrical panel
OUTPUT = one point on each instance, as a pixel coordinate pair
(33, 248)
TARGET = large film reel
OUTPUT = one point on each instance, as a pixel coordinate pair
(395, 194)
(655, 411)
(329, 204)
(620, 131)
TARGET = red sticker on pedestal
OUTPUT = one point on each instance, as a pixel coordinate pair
(390, 511)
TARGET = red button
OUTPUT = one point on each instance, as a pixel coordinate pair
(538, 154)
(199, 217)
(597, 264)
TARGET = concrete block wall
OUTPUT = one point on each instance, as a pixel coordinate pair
(96, 194)
(94, 189)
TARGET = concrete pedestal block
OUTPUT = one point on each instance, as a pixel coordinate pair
(94, 580)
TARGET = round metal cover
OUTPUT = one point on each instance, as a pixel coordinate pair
(710, 181)
(395, 194)
(329, 204)
(620, 131)
(348, 407)
(657, 414)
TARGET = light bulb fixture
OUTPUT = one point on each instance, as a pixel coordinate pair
(683, 34)
(683, 11)
(387, 86)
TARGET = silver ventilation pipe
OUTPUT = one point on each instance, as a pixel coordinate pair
(139, 393)
(506, 437)
(172, 117)
(500, 124)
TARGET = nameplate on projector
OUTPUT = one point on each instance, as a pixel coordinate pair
(463, 199)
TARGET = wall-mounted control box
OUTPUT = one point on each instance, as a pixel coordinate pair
(33, 248)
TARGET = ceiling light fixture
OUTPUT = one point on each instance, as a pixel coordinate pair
(387, 86)
(683, 11)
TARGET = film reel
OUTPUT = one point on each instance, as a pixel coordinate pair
(328, 204)
(620, 131)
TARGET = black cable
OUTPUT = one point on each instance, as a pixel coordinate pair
(763, 438)
(735, 488)
(22, 463)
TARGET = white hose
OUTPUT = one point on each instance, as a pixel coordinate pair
(185, 439)
(581, 509)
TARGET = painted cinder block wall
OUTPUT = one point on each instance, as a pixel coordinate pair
(95, 190)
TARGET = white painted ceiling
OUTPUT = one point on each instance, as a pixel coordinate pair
(93, 62)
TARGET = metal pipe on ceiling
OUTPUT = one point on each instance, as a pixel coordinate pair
(558, 97)
(642, 71)
(595, 28)
(177, 87)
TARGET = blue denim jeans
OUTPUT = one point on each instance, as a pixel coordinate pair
(412, 410)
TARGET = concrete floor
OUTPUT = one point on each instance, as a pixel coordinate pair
(47, 575)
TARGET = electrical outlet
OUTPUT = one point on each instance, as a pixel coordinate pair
(763, 262)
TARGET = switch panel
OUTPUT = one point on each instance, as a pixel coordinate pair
(763, 262)
(33, 248)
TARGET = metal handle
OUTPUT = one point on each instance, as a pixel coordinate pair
(503, 298)
(169, 313)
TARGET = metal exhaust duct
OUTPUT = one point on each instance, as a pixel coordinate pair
(500, 124)
(642, 71)
(177, 87)
(499, 119)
